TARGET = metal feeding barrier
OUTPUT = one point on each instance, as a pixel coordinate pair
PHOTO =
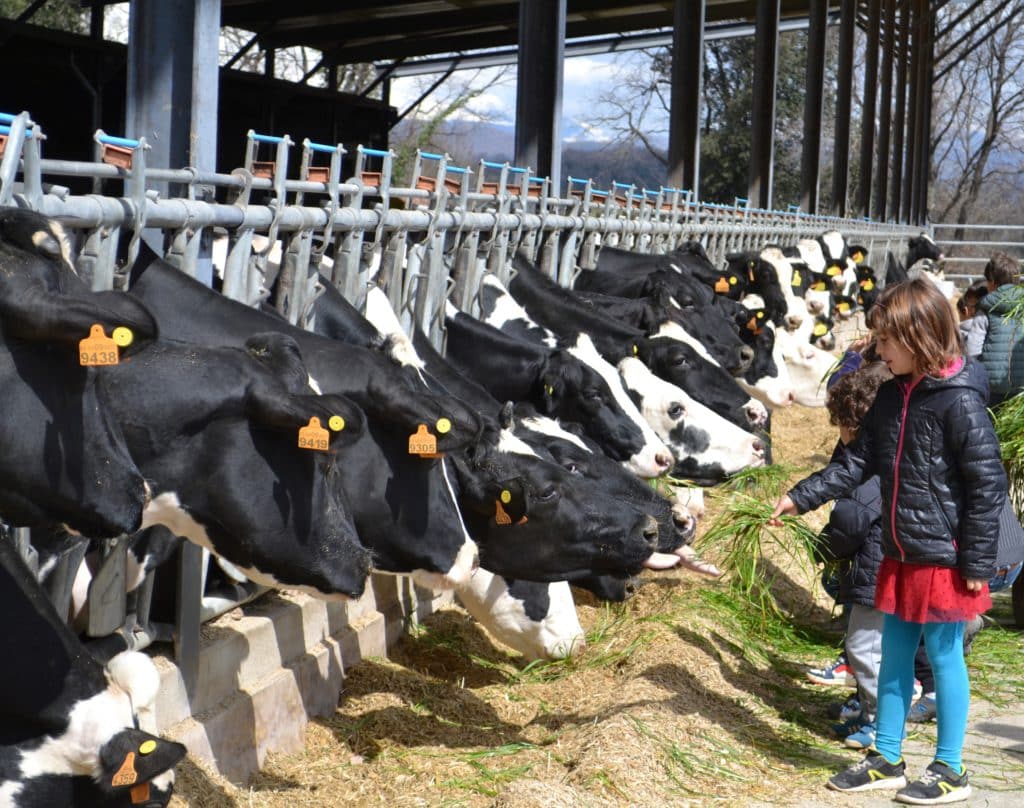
(424, 243)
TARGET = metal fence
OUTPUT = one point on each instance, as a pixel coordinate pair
(425, 243)
(965, 257)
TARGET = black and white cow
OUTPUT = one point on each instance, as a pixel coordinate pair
(403, 505)
(70, 727)
(704, 444)
(668, 355)
(62, 458)
(558, 383)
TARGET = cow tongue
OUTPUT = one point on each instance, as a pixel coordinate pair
(691, 561)
(661, 561)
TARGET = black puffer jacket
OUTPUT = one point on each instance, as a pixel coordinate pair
(937, 457)
(854, 539)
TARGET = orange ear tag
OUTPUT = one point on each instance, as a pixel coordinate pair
(721, 285)
(752, 324)
(140, 793)
(500, 515)
(97, 349)
(423, 442)
(126, 775)
(313, 436)
(797, 280)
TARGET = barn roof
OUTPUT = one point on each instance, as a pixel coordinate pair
(350, 31)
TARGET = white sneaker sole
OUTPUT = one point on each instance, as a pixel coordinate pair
(875, 785)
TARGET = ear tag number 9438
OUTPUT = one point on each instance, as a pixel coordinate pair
(99, 349)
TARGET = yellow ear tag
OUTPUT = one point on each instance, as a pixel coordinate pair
(751, 264)
(147, 747)
(140, 793)
(721, 286)
(733, 280)
(857, 257)
(336, 423)
(122, 336)
(819, 286)
(506, 496)
(313, 436)
(797, 280)
(843, 306)
(423, 442)
(833, 271)
(126, 775)
(760, 315)
(97, 349)
(820, 330)
(550, 390)
(444, 426)
(636, 350)
(867, 285)
(500, 516)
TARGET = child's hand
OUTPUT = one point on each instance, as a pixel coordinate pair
(783, 506)
(973, 584)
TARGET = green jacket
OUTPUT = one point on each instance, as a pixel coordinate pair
(1003, 351)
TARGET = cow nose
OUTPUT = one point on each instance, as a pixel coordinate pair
(793, 321)
(147, 493)
(815, 306)
(663, 461)
(758, 446)
(746, 354)
(650, 531)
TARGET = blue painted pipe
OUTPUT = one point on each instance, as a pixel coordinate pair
(266, 138)
(431, 156)
(456, 170)
(321, 147)
(577, 181)
(537, 179)
(6, 117)
(376, 153)
(489, 164)
(110, 140)
(6, 130)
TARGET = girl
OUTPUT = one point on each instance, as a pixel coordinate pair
(929, 438)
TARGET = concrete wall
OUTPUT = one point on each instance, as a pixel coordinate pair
(267, 667)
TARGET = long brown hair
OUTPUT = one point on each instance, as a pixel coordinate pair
(916, 314)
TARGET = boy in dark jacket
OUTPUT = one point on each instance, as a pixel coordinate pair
(854, 539)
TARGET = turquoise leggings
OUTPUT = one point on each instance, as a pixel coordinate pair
(944, 643)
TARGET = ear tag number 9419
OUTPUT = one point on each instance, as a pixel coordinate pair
(313, 436)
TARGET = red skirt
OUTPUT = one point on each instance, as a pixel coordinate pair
(917, 593)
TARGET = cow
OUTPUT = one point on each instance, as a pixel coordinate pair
(554, 527)
(73, 732)
(63, 459)
(919, 247)
(403, 504)
(559, 384)
(668, 355)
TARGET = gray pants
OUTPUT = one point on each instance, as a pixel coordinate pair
(864, 655)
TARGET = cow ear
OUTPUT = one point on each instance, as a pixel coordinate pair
(133, 756)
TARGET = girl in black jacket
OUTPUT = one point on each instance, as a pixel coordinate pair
(929, 438)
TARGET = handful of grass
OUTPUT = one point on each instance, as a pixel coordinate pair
(1009, 423)
(739, 535)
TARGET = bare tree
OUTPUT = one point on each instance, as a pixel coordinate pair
(978, 120)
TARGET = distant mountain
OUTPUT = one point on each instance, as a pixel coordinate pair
(582, 156)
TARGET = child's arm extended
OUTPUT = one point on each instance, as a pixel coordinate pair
(975, 447)
(843, 474)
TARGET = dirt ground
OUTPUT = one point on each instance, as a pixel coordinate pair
(676, 701)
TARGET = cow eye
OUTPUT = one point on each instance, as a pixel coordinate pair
(679, 361)
(592, 394)
(547, 494)
(676, 411)
(572, 468)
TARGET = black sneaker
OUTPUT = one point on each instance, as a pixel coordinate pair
(938, 785)
(872, 773)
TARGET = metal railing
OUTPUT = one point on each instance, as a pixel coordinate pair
(965, 258)
(425, 243)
